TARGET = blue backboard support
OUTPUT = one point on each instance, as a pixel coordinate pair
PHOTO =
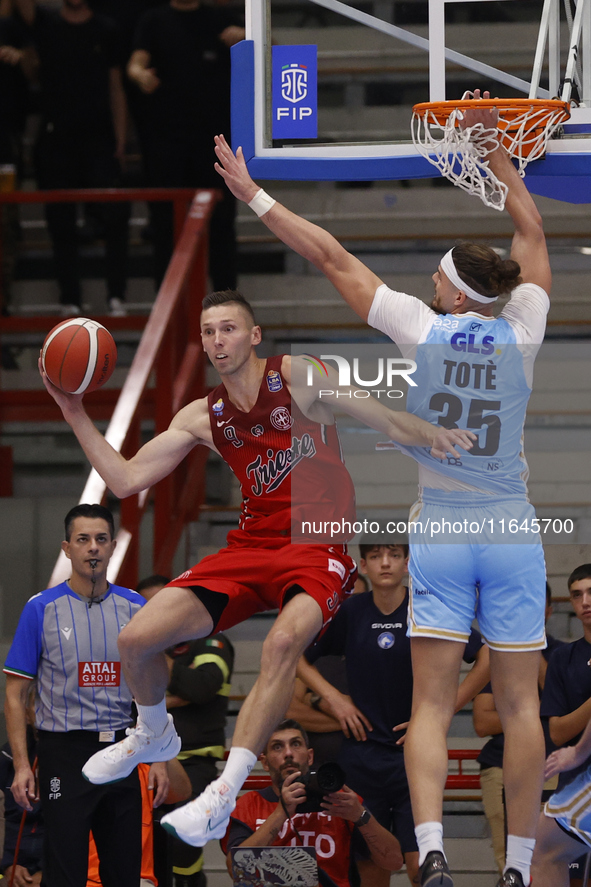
(564, 174)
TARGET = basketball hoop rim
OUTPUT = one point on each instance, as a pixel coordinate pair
(508, 108)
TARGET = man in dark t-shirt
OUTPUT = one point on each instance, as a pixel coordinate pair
(370, 630)
(13, 84)
(181, 62)
(566, 704)
(82, 137)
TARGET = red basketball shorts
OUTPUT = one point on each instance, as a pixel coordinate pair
(257, 579)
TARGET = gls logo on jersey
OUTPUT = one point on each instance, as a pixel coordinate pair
(460, 343)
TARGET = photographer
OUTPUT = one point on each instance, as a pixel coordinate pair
(340, 828)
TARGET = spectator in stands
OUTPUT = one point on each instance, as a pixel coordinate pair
(181, 62)
(270, 816)
(370, 630)
(197, 697)
(82, 138)
(324, 730)
(488, 723)
(15, 67)
(66, 639)
(566, 700)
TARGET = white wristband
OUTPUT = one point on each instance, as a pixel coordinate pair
(261, 203)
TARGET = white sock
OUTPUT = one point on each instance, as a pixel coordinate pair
(239, 764)
(429, 837)
(154, 717)
(519, 854)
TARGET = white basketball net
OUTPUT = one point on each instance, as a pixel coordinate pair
(459, 153)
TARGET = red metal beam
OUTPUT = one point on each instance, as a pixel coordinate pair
(170, 347)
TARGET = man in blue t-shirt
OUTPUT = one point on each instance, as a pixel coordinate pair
(370, 631)
(66, 641)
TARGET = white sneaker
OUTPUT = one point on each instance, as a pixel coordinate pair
(204, 819)
(140, 746)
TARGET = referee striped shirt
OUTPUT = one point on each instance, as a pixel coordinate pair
(70, 647)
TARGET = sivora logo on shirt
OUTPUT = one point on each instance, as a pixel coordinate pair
(99, 674)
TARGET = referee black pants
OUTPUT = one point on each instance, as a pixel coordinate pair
(72, 807)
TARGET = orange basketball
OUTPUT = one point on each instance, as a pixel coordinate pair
(79, 355)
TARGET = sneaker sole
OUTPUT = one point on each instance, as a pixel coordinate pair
(166, 754)
(439, 879)
(106, 781)
(214, 835)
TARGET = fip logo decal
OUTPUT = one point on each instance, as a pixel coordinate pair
(295, 92)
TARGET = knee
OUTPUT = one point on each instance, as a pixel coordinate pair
(280, 651)
(131, 642)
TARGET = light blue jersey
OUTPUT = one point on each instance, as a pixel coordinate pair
(473, 371)
(470, 374)
(571, 807)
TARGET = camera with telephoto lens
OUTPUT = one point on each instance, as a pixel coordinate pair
(321, 781)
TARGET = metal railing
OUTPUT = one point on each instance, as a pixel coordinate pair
(170, 352)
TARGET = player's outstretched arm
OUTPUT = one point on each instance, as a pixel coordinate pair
(403, 427)
(529, 243)
(154, 461)
(355, 282)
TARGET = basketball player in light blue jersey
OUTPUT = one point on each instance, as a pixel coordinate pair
(475, 371)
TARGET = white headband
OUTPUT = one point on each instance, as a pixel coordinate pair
(449, 269)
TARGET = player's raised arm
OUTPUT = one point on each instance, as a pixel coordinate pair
(154, 461)
(403, 427)
(355, 282)
(529, 243)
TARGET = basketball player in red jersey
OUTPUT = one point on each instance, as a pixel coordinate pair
(262, 431)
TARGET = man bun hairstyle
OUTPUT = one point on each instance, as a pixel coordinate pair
(224, 297)
(482, 268)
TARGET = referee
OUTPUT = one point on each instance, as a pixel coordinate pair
(66, 640)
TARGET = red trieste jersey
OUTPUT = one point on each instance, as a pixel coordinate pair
(330, 836)
(290, 468)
